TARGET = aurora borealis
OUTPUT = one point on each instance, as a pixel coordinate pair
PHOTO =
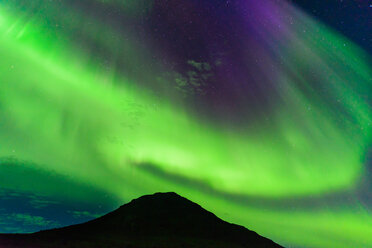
(254, 109)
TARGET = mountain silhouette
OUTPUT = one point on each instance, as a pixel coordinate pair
(161, 220)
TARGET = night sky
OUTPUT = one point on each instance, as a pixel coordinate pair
(260, 111)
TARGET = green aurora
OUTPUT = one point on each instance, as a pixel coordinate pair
(60, 110)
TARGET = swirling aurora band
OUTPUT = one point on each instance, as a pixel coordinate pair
(64, 112)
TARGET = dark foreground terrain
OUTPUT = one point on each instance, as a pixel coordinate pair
(162, 220)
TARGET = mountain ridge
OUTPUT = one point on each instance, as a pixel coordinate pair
(160, 220)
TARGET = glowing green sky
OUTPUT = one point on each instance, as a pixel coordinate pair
(62, 111)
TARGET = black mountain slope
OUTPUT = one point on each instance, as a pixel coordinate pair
(161, 220)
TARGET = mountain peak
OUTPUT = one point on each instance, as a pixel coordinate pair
(163, 197)
(160, 213)
(169, 202)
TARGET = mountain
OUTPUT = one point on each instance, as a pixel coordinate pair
(161, 220)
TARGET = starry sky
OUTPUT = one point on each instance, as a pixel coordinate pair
(260, 111)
